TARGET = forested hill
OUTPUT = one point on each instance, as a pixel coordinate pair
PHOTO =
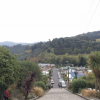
(84, 44)
(93, 35)
(72, 45)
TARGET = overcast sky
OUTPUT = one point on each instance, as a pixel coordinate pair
(40, 20)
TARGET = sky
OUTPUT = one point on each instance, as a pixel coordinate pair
(32, 21)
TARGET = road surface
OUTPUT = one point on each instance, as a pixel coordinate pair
(60, 94)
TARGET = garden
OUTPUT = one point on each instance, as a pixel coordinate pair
(89, 85)
(23, 79)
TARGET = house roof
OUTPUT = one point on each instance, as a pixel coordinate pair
(42, 69)
(80, 73)
(73, 74)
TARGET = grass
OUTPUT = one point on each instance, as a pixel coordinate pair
(97, 94)
(88, 93)
(38, 91)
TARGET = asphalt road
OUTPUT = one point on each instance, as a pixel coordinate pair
(55, 77)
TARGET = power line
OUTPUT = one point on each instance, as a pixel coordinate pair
(93, 15)
(87, 15)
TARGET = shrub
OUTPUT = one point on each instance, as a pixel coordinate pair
(70, 87)
(79, 91)
(38, 91)
(20, 96)
(88, 93)
(30, 96)
(11, 89)
(40, 84)
(78, 83)
(97, 95)
(49, 86)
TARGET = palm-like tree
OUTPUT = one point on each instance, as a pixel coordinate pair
(94, 63)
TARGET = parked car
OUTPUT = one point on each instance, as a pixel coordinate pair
(63, 84)
(58, 73)
(60, 80)
(59, 76)
(52, 81)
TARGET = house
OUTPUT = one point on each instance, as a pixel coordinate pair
(45, 73)
(86, 72)
(79, 74)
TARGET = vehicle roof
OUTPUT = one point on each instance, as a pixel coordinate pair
(63, 81)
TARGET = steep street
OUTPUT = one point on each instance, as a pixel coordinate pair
(60, 94)
(57, 93)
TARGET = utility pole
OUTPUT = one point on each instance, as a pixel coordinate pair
(68, 75)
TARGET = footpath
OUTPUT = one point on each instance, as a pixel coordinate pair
(60, 94)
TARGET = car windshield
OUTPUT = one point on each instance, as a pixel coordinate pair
(63, 83)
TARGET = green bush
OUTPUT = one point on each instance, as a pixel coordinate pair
(30, 96)
(49, 86)
(80, 90)
(65, 77)
(40, 84)
(78, 84)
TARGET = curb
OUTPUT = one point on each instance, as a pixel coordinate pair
(82, 96)
(78, 95)
(35, 98)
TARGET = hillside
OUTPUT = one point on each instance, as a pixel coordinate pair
(92, 35)
(59, 50)
(72, 45)
(8, 43)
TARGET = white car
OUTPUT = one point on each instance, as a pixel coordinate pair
(52, 81)
(61, 80)
(59, 76)
(63, 84)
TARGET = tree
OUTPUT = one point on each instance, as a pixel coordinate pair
(26, 67)
(94, 63)
(9, 69)
(27, 84)
(90, 80)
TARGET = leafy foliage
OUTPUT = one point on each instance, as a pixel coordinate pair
(78, 84)
(94, 63)
(26, 67)
(40, 84)
(93, 35)
(45, 79)
(9, 69)
(49, 86)
(27, 84)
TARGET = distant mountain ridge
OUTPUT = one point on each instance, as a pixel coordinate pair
(9, 43)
